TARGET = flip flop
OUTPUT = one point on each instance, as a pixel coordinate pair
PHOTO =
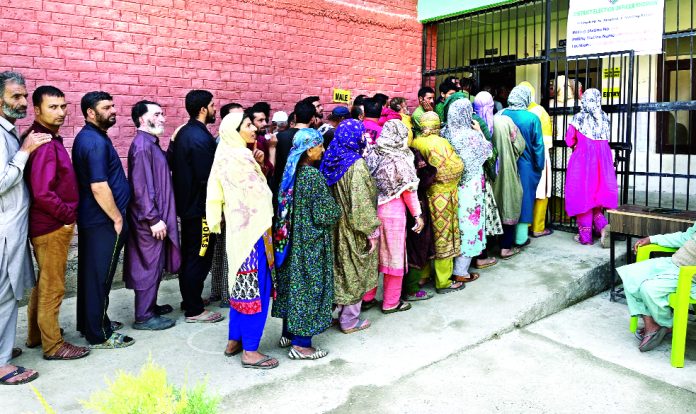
(546, 232)
(420, 295)
(284, 342)
(450, 289)
(652, 340)
(17, 372)
(209, 317)
(259, 364)
(493, 263)
(466, 279)
(515, 252)
(401, 307)
(361, 325)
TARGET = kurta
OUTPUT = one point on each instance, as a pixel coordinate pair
(305, 282)
(507, 187)
(649, 283)
(544, 187)
(15, 258)
(443, 200)
(471, 213)
(531, 162)
(152, 200)
(355, 270)
(590, 178)
(420, 247)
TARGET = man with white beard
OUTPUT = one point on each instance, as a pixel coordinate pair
(153, 241)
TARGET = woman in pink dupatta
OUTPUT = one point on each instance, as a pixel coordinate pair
(591, 177)
(391, 165)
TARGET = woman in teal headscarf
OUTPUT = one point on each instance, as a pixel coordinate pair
(307, 213)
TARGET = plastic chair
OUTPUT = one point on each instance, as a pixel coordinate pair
(680, 301)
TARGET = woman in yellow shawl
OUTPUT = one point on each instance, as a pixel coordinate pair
(238, 188)
(442, 200)
(543, 191)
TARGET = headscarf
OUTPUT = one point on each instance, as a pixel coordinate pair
(483, 105)
(470, 144)
(520, 98)
(387, 115)
(591, 121)
(246, 198)
(391, 163)
(532, 91)
(430, 124)
(346, 148)
(303, 140)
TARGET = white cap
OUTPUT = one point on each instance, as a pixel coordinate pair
(280, 116)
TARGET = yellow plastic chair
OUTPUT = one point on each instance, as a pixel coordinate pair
(680, 301)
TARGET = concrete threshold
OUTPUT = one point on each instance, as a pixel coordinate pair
(550, 275)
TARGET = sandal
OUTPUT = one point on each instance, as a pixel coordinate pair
(284, 342)
(116, 326)
(420, 295)
(16, 352)
(401, 307)
(117, 341)
(17, 372)
(260, 364)
(205, 317)
(67, 352)
(489, 264)
(451, 288)
(546, 232)
(515, 252)
(466, 279)
(296, 354)
(652, 340)
(361, 325)
(577, 239)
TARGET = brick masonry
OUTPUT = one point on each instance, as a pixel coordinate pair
(244, 51)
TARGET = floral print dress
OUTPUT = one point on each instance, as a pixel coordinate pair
(474, 150)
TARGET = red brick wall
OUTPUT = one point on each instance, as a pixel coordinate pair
(242, 50)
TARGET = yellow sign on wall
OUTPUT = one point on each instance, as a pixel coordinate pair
(341, 96)
(608, 93)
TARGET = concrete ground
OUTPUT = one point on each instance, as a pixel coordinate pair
(477, 350)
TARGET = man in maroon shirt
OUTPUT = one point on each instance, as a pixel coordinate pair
(54, 196)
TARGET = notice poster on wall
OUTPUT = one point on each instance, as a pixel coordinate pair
(603, 26)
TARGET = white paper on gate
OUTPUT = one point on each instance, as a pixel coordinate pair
(603, 26)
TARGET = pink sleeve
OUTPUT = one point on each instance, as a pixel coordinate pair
(411, 200)
(570, 137)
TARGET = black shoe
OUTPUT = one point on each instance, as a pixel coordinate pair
(163, 309)
(156, 323)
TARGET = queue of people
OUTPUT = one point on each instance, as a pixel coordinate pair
(311, 214)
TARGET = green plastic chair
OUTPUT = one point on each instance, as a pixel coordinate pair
(680, 301)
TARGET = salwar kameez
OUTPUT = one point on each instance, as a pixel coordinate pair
(649, 283)
(248, 314)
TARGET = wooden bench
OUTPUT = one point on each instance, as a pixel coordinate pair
(630, 220)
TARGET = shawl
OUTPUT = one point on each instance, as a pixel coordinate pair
(387, 115)
(591, 120)
(303, 140)
(520, 98)
(238, 185)
(483, 106)
(507, 188)
(391, 163)
(346, 148)
(448, 102)
(469, 143)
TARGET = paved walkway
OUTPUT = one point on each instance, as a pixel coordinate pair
(449, 343)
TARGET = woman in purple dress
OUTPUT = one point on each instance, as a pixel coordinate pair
(590, 178)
